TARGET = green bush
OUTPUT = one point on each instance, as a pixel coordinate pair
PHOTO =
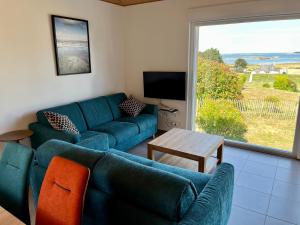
(243, 78)
(266, 85)
(282, 82)
(216, 80)
(222, 118)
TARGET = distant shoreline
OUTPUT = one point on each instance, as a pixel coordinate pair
(262, 58)
(278, 64)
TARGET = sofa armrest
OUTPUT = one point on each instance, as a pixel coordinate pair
(213, 205)
(43, 133)
(150, 109)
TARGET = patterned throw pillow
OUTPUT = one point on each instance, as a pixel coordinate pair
(61, 122)
(132, 106)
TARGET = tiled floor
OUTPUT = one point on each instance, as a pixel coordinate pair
(267, 188)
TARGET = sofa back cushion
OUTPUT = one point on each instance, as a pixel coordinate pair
(114, 101)
(72, 111)
(96, 111)
(155, 190)
(104, 209)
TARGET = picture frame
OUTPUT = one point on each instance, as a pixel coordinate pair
(71, 45)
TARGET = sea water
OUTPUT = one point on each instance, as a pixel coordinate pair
(262, 58)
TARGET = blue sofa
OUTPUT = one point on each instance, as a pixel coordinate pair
(101, 123)
(125, 189)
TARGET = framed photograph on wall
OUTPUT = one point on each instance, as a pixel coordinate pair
(71, 44)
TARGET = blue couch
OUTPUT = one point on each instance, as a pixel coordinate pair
(101, 123)
(125, 189)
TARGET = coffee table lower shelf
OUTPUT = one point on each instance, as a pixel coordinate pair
(205, 165)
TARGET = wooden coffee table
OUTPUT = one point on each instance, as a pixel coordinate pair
(190, 145)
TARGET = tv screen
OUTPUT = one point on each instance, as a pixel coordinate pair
(165, 85)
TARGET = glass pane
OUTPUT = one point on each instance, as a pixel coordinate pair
(248, 82)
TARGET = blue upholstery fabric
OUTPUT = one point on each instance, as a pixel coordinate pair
(14, 170)
(96, 111)
(144, 121)
(121, 189)
(71, 110)
(132, 141)
(36, 179)
(88, 134)
(84, 156)
(114, 101)
(213, 205)
(147, 191)
(198, 179)
(120, 130)
(43, 133)
(115, 211)
(100, 114)
(150, 109)
(97, 142)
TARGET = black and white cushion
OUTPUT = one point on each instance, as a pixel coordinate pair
(132, 106)
(61, 122)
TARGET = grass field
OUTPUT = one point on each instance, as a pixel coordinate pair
(268, 131)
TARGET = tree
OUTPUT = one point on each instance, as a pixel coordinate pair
(240, 65)
(212, 54)
(218, 81)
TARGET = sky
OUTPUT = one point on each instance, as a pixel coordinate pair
(255, 37)
(67, 29)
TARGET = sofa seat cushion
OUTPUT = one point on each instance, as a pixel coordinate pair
(144, 121)
(72, 111)
(120, 130)
(96, 111)
(89, 134)
(155, 190)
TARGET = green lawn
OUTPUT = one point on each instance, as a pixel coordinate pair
(260, 79)
(270, 132)
(255, 89)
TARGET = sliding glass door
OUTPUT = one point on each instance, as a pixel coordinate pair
(248, 82)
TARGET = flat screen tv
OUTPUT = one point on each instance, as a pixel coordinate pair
(165, 85)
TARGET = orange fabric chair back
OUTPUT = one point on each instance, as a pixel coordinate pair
(61, 198)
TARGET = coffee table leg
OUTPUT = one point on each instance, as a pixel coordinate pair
(150, 153)
(201, 165)
(220, 154)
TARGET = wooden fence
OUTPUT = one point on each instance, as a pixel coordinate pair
(253, 108)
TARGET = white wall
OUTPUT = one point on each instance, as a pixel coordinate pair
(124, 43)
(157, 35)
(28, 80)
